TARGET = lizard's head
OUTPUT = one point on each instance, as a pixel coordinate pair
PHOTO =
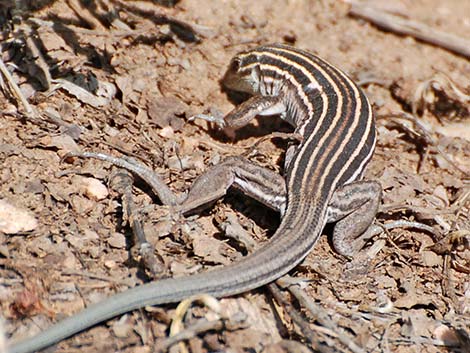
(243, 73)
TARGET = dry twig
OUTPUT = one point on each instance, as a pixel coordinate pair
(14, 87)
(39, 58)
(426, 93)
(114, 280)
(415, 29)
(321, 316)
(200, 327)
(423, 132)
(152, 261)
(85, 15)
(294, 314)
(160, 189)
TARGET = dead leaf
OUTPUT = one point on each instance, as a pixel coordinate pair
(27, 303)
(63, 142)
(81, 205)
(411, 297)
(209, 249)
(431, 259)
(85, 96)
(165, 112)
(260, 324)
(117, 240)
(417, 324)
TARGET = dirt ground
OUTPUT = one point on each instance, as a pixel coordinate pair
(123, 77)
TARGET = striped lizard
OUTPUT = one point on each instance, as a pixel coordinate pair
(321, 182)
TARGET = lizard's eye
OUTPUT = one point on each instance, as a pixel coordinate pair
(235, 65)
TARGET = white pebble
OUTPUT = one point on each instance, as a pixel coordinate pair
(94, 189)
(15, 220)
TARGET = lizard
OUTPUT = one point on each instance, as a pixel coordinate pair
(321, 183)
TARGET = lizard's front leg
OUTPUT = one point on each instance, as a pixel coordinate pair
(257, 182)
(257, 105)
(353, 208)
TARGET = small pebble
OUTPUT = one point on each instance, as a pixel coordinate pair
(117, 240)
(15, 220)
(94, 189)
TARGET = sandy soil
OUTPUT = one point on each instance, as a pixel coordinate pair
(145, 69)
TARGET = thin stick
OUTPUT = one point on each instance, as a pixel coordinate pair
(160, 189)
(294, 314)
(40, 61)
(99, 277)
(202, 326)
(16, 89)
(122, 181)
(321, 316)
(427, 136)
(415, 29)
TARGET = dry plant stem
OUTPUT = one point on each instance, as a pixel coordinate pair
(160, 189)
(188, 333)
(384, 342)
(413, 341)
(448, 285)
(116, 34)
(233, 323)
(128, 154)
(427, 135)
(422, 161)
(97, 276)
(459, 205)
(248, 149)
(39, 58)
(396, 207)
(294, 314)
(322, 317)
(178, 334)
(191, 31)
(403, 224)
(84, 14)
(444, 83)
(14, 87)
(122, 182)
(415, 29)
(54, 118)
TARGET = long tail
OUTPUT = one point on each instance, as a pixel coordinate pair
(282, 253)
